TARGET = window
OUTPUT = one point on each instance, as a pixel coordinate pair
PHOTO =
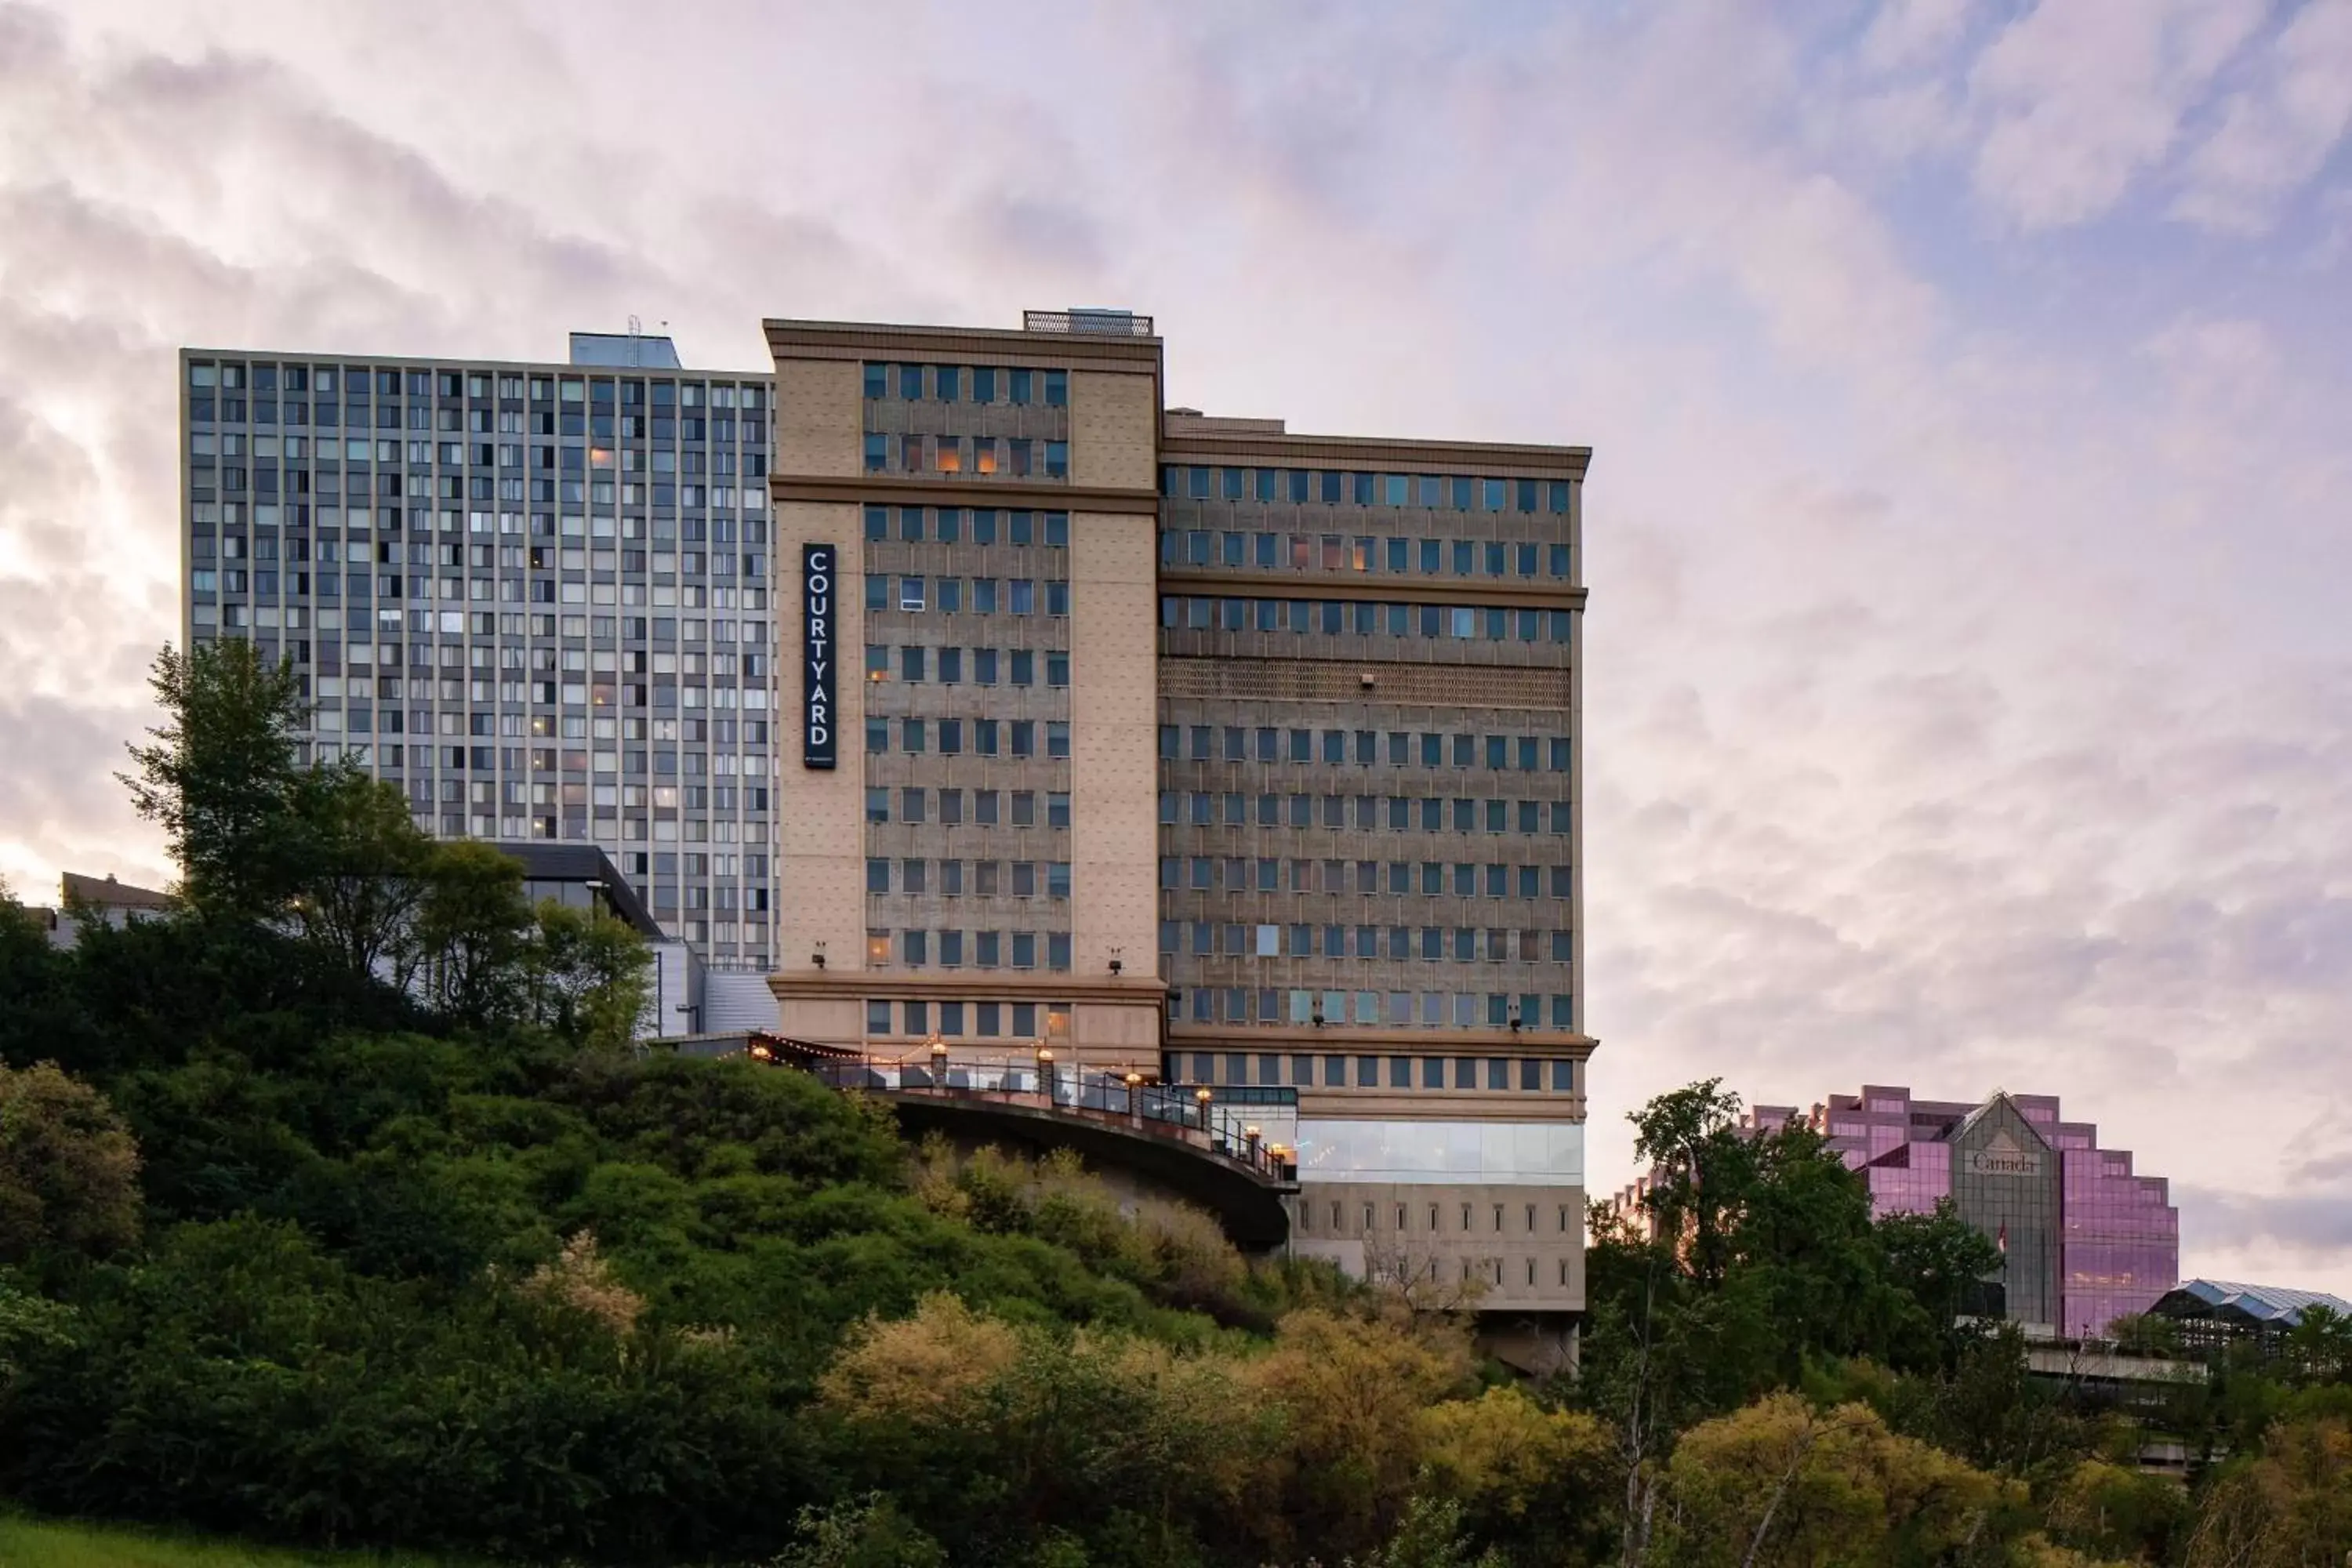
(877, 1013)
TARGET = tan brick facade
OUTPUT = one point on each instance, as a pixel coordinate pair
(1114, 430)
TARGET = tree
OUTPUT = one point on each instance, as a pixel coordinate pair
(1937, 1259)
(588, 976)
(2319, 1347)
(361, 877)
(1778, 1482)
(221, 775)
(2145, 1334)
(68, 1169)
(1351, 1392)
(473, 932)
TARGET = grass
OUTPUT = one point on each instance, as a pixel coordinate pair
(33, 1544)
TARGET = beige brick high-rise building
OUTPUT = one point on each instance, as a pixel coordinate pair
(1098, 682)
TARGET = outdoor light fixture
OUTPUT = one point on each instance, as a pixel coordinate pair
(817, 957)
(1118, 960)
(1134, 1078)
(1204, 1095)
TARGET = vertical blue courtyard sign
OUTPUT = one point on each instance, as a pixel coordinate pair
(816, 654)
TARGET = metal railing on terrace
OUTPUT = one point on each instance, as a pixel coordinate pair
(1100, 324)
(1179, 1114)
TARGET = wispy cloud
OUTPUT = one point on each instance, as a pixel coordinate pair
(1968, 689)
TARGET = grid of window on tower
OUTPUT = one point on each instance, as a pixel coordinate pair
(536, 600)
(1346, 487)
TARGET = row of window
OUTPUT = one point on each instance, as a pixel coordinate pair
(953, 807)
(211, 452)
(1429, 878)
(968, 525)
(551, 760)
(206, 515)
(989, 595)
(358, 381)
(572, 493)
(634, 628)
(514, 660)
(544, 421)
(986, 879)
(1432, 1218)
(1016, 456)
(917, 665)
(1364, 813)
(301, 583)
(1551, 1075)
(263, 544)
(1392, 555)
(660, 830)
(1330, 487)
(1363, 617)
(1432, 944)
(1365, 748)
(663, 797)
(950, 950)
(968, 384)
(420, 722)
(1268, 1006)
(989, 737)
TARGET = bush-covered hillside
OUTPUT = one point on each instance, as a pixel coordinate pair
(336, 1210)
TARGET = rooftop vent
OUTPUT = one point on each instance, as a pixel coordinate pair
(1093, 322)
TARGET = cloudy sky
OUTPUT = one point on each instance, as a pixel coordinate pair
(1970, 681)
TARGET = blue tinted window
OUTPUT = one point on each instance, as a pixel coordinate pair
(1330, 487)
(1230, 482)
(878, 522)
(1432, 491)
(1461, 488)
(910, 523)
(983, 525)
(877, 453)
(911, 380)
(1266, 479)
(949, 378)
(1057, 529)
(1364, 487)
(1197, 482)
(877, 381)
(1171, 479)
(1491, 493)
(983, 384)
(1527, 494)
(1397, 555)
(1299, 479)
(1057, 388)
(1022, 383)
(1556, 500)
(1396, 489)
(951, 529)
(1058, 460)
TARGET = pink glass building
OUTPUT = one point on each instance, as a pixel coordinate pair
(2086, 1239)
